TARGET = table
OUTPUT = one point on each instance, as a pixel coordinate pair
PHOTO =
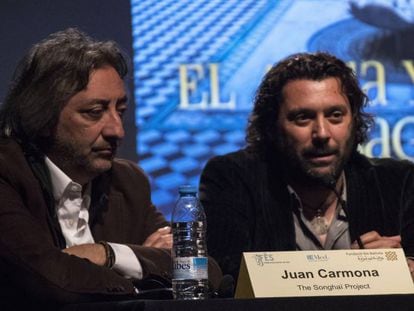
(331, 303)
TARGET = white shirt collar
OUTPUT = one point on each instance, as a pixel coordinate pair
(61, 182)
(59, 179)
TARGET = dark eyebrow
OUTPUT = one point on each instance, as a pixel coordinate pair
(291, 115)
(106, 102)
(341, 108)
(122, 100)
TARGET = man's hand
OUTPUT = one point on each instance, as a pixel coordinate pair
(372, 240)
(93, 252)
(162, 238)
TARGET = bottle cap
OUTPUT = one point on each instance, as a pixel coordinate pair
(187, 189)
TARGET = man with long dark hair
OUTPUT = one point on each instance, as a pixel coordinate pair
(76, 223)
(301, 184)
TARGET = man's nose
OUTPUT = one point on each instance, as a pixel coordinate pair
(114, 126)
(321, 129)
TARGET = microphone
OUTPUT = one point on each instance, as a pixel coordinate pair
(225, 288)
(154, 287)
(157, 287)
(330, 183)
(156, 294)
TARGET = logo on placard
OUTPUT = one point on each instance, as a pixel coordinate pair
(391, 256)
(262, 259)
(317, 257)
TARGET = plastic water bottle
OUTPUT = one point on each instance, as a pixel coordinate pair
(189, 253)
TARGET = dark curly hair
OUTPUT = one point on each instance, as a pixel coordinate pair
(47, 77)
(262, 125)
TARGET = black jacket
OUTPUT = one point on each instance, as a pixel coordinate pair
(248, 206)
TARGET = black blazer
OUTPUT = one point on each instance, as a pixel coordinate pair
(248, 206)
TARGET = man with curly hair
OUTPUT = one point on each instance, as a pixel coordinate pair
(76, 223)
(301, 184)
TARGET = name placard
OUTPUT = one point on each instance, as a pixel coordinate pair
(324, 273)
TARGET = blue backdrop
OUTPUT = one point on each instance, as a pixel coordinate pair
(198, 62)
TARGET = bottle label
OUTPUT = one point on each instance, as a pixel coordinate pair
(185, 268)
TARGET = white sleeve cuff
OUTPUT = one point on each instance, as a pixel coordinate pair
(126, 263)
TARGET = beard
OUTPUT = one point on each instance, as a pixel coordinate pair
(298, 168)
(72, 156)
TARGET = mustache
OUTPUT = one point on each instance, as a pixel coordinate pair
(319, 151)
(110, 145)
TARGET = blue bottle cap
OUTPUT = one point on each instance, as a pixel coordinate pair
(187, 189)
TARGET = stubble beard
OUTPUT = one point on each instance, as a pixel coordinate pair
(298, 169)
(71, 158)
